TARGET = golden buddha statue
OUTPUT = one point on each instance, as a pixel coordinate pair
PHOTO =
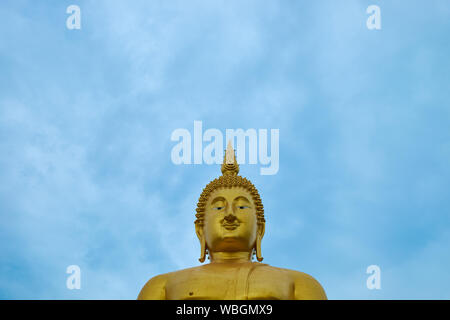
(230, 225)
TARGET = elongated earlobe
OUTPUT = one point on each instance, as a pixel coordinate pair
(199, 232)
(202, 250)
(259, 236)
(258, 249)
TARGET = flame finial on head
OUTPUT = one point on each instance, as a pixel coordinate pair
(229, 179)
(230, 165)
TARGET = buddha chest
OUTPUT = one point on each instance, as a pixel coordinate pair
(249, 281)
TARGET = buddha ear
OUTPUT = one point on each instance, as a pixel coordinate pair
(201, 237)
(259, 235)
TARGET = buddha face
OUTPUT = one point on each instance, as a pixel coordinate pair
(230, 220)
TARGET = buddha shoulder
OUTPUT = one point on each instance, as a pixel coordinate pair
(155, 288)
(306, 287)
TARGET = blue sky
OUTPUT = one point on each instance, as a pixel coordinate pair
(86, 117)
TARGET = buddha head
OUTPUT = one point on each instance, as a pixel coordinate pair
(230, 215)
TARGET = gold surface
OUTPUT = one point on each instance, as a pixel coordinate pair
(230, 226)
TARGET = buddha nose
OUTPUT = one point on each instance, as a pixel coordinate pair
(229, 216)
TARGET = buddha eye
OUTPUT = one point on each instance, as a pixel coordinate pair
(218, 208)
(243, 207)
